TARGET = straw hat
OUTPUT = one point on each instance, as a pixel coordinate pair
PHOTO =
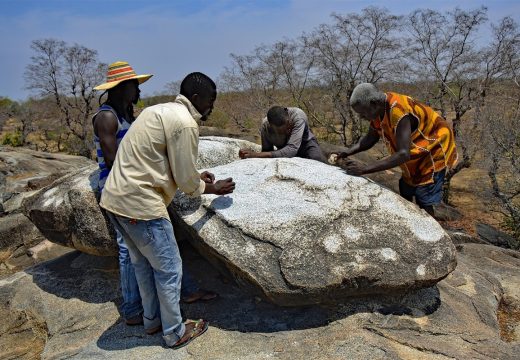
(118, 72)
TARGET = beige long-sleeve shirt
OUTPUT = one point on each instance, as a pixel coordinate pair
(155, 158)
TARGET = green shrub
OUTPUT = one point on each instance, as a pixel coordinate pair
(513, 225)
(13, 139)
(218, 119)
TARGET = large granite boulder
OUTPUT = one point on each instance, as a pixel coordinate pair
(67, 212)
(302, 232)
(22, 172)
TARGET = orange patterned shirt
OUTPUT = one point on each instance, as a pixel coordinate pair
(432, 147)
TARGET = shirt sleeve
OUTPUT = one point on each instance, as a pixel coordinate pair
(182, 148)
(295, 140)
(266, 144)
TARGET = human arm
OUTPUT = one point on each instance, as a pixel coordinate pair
(366, 142)
(105, 127)
(182, 154)
(267, 146)
(182, 149)
(247, 154)
(401, 155)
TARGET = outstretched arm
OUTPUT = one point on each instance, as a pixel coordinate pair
(403, 139)
(366, 142)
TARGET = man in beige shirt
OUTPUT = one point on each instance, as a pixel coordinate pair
(155, 158)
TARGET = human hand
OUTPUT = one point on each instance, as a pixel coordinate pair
(207, 177)
(342, 155)
(353, 167)
(223, 187)
(245, 153)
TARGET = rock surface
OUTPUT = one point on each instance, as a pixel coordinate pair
(67, 212)
(216, 151)
(23, 169)
(66, 308)
(496, 237)
(302, 232)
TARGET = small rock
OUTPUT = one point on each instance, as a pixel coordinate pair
(496, 237)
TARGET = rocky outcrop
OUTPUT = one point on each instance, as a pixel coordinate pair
(52, 310)
(67, 309)
(496, 237)
(302, 232)
(22, 172)
(23, 169)
(67, 212)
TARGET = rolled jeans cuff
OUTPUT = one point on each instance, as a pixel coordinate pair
(171, 338)
(151, 323)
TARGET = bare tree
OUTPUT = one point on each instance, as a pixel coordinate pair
(355, 48)
(68, 74)
(173, 87)
(443, 53)
(500, 118)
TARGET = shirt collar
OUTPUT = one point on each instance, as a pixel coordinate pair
(181, 99)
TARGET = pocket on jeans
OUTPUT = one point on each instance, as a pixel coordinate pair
(138, 231)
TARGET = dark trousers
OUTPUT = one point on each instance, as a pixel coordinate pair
(425, 195)
(311, 150)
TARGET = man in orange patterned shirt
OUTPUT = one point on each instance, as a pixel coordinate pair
(420, 141)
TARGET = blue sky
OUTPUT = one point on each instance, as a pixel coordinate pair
(171, 38)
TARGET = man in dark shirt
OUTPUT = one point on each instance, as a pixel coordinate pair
(287, 129)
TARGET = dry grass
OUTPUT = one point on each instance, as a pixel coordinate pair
(508, 319)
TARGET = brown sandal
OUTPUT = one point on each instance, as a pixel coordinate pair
(201, 295)
(201, 326)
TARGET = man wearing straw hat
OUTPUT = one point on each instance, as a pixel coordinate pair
(111, 122)
(158, 156)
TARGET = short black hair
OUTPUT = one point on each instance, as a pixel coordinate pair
(197, 83)
(277, 115)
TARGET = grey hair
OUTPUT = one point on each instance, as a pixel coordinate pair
(366, 93)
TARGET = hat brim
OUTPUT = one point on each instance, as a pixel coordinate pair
(110, 85)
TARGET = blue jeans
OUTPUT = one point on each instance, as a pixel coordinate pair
(158, 270)
(425, 195)
(131, 299)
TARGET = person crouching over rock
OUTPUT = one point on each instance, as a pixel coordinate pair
(156, 157)
(288, 130)
(420, 141)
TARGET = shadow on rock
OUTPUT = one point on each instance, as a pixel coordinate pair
(236, 310)
(221, 202)
(89, 278)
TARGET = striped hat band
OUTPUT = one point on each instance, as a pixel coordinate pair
(119, 72)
